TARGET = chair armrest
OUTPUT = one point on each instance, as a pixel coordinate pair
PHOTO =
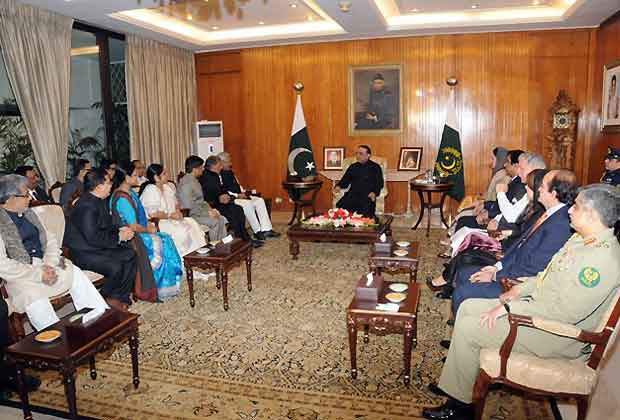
(508, 284)
(552, 327)
(155, 221)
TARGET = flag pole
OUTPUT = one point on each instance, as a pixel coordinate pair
(452, 81)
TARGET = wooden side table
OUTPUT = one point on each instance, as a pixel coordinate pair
(67, 352)
(296, 192)
(363, 315)
(443, 188)
(222, 262)
(384, 261)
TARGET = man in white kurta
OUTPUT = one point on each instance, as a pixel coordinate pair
(31, 264)
(254, 207)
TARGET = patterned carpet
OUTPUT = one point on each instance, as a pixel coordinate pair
(280, 352)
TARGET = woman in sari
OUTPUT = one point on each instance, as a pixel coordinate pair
(161, 255)
(158, 196)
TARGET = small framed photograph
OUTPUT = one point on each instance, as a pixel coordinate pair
(410, 158)
(332, 158)
(610, 120)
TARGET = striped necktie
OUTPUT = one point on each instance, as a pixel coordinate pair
(538, 223)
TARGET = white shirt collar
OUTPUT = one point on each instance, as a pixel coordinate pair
(554, 209)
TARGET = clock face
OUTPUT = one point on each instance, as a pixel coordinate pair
(561, 120)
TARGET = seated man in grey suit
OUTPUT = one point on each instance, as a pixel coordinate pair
(72, 189)
(189, 194)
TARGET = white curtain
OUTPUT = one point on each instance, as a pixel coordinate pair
(161, 98)
(36, 46)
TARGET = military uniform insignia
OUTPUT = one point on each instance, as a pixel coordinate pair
(589, 277)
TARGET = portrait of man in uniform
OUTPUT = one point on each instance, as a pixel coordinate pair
(611, 97)
(375, 100)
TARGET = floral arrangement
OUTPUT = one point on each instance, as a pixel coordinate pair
(339, 218)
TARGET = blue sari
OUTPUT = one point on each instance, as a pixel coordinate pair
(163, 255)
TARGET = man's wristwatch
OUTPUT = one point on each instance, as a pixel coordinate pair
(506, 307)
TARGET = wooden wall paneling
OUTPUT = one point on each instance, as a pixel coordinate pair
(607, 51)
(507, 81)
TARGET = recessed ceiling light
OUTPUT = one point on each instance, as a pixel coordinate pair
(535, 2)
(293, 5)
(215, 28)
(416, 10)
(189, 16)
(309, 18)
(475, 6)
(261, 23)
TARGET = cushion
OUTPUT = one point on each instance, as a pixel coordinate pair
(571, 376)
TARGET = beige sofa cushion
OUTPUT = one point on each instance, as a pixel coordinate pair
(554, 375)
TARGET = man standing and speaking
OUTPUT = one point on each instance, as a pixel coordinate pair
(364, 180)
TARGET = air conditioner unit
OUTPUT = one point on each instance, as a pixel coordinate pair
(209, 138)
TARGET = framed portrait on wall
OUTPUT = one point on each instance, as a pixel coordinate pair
(610, 112)
(410, 158)
(332, 158)
(376, 100)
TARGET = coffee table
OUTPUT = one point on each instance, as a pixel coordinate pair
(67, 352)
(388, 261)
(222, 260)
(300, 232)
(363, 315)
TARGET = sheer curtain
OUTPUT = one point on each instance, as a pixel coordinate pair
(161, 97)
(36, 45)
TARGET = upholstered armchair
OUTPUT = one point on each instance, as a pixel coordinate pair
(53, 221)
(560, 378)
(380, 209)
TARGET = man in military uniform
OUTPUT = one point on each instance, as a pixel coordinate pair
(612, 167)
(576, 288)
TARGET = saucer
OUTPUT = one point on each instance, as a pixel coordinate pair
(401, 252)
(47, 336)
(396, 297)
(203, 251)
(403, 244)
(398, 287)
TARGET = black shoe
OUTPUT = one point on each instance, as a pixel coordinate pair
(450, 322)
(446, 293)
(443, 360)
(445, 344)
(257, 244)
(259, 236)
(434, 388)
(450, 410)
(271, 234)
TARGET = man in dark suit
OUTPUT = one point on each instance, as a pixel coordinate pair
(97, 244)
(218, 198)
(531, 253)
(37, 193)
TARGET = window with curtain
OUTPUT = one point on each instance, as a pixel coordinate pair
(86, 118)
(15, 148)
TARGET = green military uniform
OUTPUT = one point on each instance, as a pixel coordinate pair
(576, 288)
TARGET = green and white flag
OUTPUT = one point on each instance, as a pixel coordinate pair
(300, 156)
(449, 162)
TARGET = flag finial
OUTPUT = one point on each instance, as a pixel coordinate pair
(452, 81)
(299, 87)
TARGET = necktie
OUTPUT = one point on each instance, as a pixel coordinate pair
(538, 223)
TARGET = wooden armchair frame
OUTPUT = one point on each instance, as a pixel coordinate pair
(600, 341)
